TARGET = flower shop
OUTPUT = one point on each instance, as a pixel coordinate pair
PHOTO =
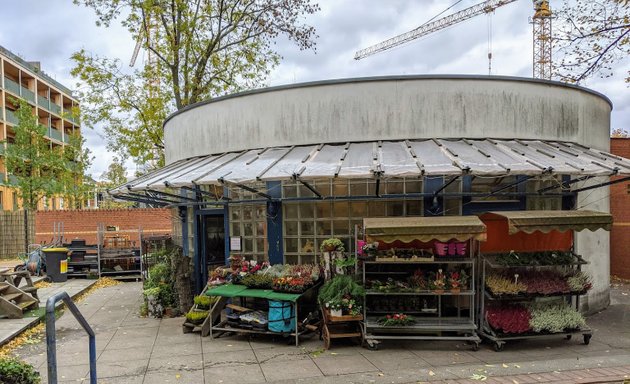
(457, 217)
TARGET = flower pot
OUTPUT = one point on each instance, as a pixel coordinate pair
(336, 312)
(439, 291)
(455, 290)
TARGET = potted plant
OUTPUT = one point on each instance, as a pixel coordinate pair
(369, 249)
(335, 307)
(204, 301)
(396, 320)
(332, 245)
(438, 283)
(457, 281)
(344, 291)
(196, 317)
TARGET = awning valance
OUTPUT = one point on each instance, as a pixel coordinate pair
(425, 229)
(385, 159)
(547, 221)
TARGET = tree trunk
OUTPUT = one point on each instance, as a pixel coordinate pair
(182, 279)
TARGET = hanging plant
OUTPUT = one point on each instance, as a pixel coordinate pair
(332, 245)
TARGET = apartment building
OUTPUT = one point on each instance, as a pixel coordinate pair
(53, 104)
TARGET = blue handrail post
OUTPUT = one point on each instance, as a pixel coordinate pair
(51, 337)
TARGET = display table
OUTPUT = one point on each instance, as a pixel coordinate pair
(242, 292)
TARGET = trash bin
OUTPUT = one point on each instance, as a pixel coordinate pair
(57, 264)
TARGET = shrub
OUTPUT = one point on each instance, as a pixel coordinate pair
(160, 285)
(339, 287)
(196, 317)
(17, 372)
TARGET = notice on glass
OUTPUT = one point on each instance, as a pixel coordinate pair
(235, 243)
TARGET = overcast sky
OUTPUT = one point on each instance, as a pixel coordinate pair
(49, 31)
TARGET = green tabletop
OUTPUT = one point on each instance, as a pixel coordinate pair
(234, 290)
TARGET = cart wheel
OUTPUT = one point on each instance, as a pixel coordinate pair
(372, 345)
(568, 337)
(475, 347)
(48, 279)
(587, 339)
(498, 347)
(326, 338)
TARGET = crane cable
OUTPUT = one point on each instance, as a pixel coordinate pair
(434, 17)
(490, 43)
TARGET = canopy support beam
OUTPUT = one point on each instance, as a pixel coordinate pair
(212, 195)
(247, 188)
(139, 200)
(308, 186)
(169, 195)
(602, 184)
(445, 185)
(564, 184)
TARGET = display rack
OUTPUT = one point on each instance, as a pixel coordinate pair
(84, 260)
(488, 262)
(531, 234)
(438, 315)
(119, 256)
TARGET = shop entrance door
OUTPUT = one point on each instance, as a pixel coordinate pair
(214, 240)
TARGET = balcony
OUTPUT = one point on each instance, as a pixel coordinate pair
(2, 178)
(66, 138)
(54, 134)
(28, 95)
(54, 108)
(10, 116)
(12, 86)
(43, 102)
(67, 114)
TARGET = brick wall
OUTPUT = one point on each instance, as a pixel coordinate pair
(620, 209)
(82, 224)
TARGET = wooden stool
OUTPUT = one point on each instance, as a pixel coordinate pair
(15, 278)
(338, 327)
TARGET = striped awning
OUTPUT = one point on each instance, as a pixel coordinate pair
(547, 221)
(425, 229)
(385, 159)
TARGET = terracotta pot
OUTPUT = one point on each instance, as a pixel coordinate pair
(455, 290)
(439, 291)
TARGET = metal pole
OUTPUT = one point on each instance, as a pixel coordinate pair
(51, 339)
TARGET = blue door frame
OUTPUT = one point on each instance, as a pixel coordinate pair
(200, 261)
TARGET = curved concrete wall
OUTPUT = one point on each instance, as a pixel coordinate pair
(390, 108)
(408, 107)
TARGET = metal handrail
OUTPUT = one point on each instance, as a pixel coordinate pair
(51, 339)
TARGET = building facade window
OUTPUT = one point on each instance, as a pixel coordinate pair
(249, 223)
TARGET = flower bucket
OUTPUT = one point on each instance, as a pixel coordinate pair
(441, 249)
(336, 312)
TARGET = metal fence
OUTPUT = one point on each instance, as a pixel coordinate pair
(12, 233)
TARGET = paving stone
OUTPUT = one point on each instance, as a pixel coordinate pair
(119, 342)
(224, 359)
(234, 374)
(341, 365)
(179, 377)
(438, 358)
(395, 360)
(122, 368)
(176, 363)
(272, 355)
(112, 355)
(138, 379)
(67, 373)
(218, 345)
(190, 348)
(299, 369)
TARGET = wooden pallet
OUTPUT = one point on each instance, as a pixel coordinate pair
(14, 301)
(213, 316)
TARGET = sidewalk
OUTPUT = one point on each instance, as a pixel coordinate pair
(10, 328)
(144, 350)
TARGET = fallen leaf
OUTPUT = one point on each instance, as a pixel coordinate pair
(333, 353)
(478, 377)
(431, 373)
(504, 365)
(516, 366)
(178, 376)
(381, 374)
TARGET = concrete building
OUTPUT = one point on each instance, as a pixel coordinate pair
(53, 104)
(280, 169)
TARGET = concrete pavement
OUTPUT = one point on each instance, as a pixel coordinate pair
(144, 350)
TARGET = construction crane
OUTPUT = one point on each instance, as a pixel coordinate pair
(433, 26)
(541, 34)
(541, 22)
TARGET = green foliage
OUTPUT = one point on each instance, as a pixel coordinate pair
(204, 301)
(339, 287)
(78, 186)
(535, 258)
(196, 317)
(332, 244)
(17, 372)
(579, 281)
(199, 50)
(159, 284)
(258, 281)
(555, 318)
(501, 285)
(590, 38)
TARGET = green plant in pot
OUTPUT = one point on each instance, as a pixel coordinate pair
(341, 291)
(332, 245)
(196, 317)
(204, 301)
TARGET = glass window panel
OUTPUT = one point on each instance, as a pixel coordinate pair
(323, 187)
(307, 228)
(414, 208)
(340, 188)
(291, 259)
(260, 228)
(261, 212)
(395, 208)
(248, 229)
(341, 227)
(247, 212)
(358, 209)
(452, 207)
(340, 209)
(289, 190)
(413, 186)
(236, 229)
(260, 246)
(236, 213)
(395, 187)
(291, 228)
(307, 211)
(303, 191)
(307, 245)
(323, 209)
(248, 245)
(291, 245)
(307, 259)
(290, 211)
(347, 244)
(358, 189)
(372, 188)
(323, 228)
(376, 208)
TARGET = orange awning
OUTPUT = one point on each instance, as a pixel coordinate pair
(425, 229)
